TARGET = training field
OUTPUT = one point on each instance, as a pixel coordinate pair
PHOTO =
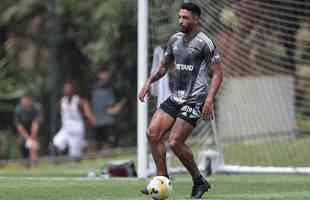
(225, 187)
(68, 181)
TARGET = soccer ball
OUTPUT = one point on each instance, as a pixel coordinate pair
(159, 188)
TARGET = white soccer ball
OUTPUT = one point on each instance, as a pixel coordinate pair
(159, 188)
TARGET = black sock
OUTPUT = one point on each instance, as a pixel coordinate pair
(199, 180)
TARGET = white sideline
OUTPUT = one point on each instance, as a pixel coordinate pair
(263, 169)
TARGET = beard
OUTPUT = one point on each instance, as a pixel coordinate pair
(185, 29)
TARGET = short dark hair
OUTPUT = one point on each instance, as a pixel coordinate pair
(28, 96)
(69, 82)
(103, 68)
(72, 83)
(193, 8)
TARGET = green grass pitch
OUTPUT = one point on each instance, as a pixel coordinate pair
(67, 181)
(225, 187)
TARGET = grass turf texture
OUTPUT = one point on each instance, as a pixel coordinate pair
(273, 151)
(67, 181)
(225, 187)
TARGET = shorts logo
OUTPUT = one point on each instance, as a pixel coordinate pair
(184, 67)
(190, 112)
(187, 109)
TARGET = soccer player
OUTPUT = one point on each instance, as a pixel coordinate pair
(73, 109)
(192, 53)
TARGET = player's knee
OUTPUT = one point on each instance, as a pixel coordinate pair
(173, 144)
(153, 135)
(58, 144)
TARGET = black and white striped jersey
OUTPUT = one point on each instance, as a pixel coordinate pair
(192, 60)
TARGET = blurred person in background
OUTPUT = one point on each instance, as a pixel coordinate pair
(27, 122)
(105, 108)
(73, 109)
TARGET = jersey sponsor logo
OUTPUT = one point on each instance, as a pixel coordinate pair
(183, 67)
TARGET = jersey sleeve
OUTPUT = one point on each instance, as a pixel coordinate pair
(216, 57)
(168, 50)
(211, 53)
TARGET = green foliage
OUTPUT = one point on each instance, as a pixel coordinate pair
(163, 20)
(103, 31)
(12, 82)
(15, 11)
(74, 39)
(8, 145)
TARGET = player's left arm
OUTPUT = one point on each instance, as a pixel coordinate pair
(35, 125)
(216, 81)
(32, 141)
(34, 129)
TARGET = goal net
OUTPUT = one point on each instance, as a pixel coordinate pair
(262, 114)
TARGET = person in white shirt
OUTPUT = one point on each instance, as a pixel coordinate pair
(73, 109)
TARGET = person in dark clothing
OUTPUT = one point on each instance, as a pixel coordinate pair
(105, 107)
(27, 122)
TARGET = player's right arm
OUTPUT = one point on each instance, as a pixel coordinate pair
(19, 126)
(21, 130)
(36, 123)
(156, 75)
(160, 70)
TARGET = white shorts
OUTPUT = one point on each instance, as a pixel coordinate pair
(74, 139)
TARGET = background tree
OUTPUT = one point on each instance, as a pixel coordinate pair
(75, 40)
